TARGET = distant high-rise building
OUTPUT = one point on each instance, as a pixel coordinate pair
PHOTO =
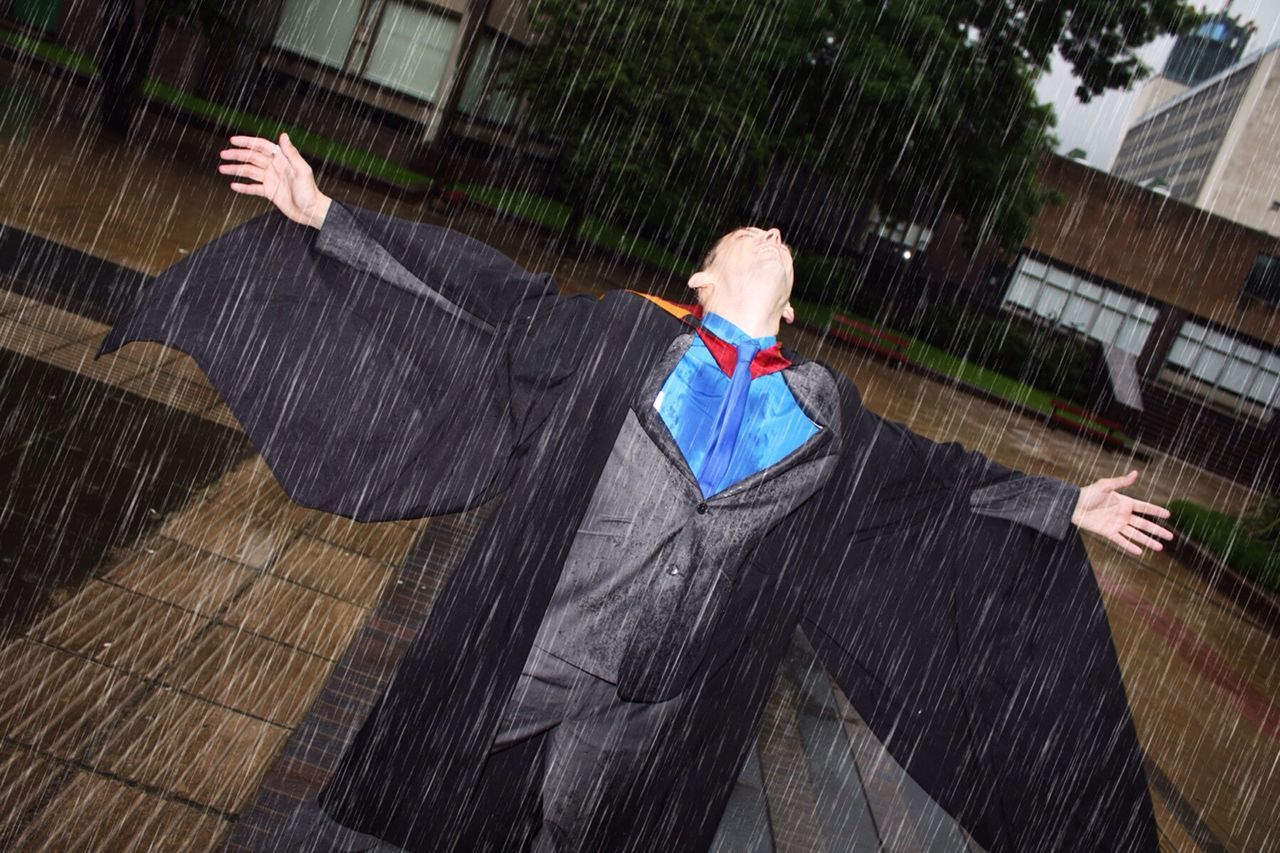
(1213, 144)
(1214, 47)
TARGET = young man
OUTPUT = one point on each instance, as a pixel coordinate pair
(678, 493)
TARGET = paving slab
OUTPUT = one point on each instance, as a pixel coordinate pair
(298, 616)
(252, 674)
(335, 571)
(228, 531)
(119, 628)
(25, 778)
(56, 701)
(97, 813)
(180, 574)
(381, 540)
(193, 749)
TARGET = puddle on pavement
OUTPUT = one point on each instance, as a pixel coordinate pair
(85, 467)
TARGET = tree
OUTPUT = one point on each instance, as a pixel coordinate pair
(670, 116)
(130, 33)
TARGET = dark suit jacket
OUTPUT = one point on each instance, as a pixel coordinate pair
(976, 648)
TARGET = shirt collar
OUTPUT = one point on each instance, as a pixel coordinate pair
(729, 333)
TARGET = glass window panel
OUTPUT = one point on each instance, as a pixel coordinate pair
(1022, 291)
(1115, 300)
(1192, 331)
(1077, 313)
(478, 75)
(1208, 366)
(1183, 353)
(1107, 327)
(1035, 269)
(1236, 377)
(318, 29)
(412, 49)
(500, 107)
(1132, 336)
(1248, 354)
(1147, 313)
(1051, 303)
(1264, 387)
(1219, 341)
(1062, 278)
(1089, 290)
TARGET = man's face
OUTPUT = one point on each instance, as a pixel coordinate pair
(754, 266)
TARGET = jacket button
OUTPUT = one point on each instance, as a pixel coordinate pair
(702, 509)
(673, 569)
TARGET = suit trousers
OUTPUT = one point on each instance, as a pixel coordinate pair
(593, 743)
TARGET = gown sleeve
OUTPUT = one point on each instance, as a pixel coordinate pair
(369, 363)
(957, 609)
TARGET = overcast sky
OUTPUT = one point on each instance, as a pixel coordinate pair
(1098, 126)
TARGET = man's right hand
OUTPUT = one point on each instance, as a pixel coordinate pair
(282, 176)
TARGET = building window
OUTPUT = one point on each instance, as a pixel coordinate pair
(1102, 313)
(1226, 370)
(910, 236)
(412, 49)
(1264, 279)
(482, 96)
(323, 36)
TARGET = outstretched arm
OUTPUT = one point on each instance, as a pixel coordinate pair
(1046, 504)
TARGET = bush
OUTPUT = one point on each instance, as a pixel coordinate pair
(1007, 345)
(1226, 536)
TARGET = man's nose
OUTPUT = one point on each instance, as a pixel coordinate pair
(773, 234)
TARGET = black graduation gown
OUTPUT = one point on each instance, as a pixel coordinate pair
(977, 650)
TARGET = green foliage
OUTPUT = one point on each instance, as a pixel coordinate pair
(672, 114)
(1264, 524)
(1059, 365)
(1229, 538)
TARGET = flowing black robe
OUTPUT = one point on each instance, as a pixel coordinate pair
(976, 649)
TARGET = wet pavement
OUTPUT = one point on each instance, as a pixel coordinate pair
(85, 467)
(166, 677)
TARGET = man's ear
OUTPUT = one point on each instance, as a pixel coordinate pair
(788, 313)
(702, 281)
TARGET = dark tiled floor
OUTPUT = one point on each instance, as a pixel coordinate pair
(84, 467)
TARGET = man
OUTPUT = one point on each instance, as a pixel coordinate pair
(592, 673)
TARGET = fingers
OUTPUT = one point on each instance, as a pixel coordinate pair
(1150, 509)
(1114, 483)
(295, 157)
(250, 189)
(1135, 535)
(255, 173)
(1125, 544)
(255, 143)
(1150, 527)
(246, 155)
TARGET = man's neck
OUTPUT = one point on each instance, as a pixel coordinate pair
(754, 323)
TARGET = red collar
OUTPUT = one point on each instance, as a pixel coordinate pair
(766, 361)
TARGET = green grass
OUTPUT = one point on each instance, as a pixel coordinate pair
(50, 52)
(1225, 536)
(955, 367)
(308, 142)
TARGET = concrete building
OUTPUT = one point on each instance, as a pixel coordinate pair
(1212, 144)
(1193, 297)
(391, 77)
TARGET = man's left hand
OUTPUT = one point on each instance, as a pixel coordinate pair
(1101, 509)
